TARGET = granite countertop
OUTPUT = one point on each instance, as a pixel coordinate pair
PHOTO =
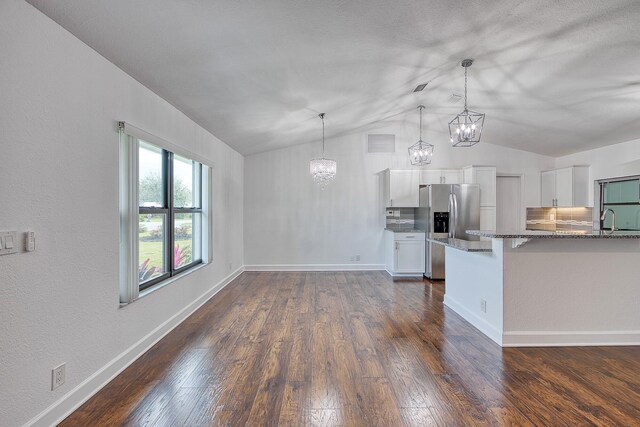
(464, 245)
(532, 234)
(403, 230)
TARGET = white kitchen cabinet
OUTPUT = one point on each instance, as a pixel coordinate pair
(440, 176)
(404, 253)
(548, 188)
(488, 218)
(566, 187)
(485, 176)
(401, 188)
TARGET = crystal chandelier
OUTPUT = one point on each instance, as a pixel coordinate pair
(465, 129)
(323, 170)
(421, 152)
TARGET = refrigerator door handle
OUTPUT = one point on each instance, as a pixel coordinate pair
(450, 215)
(455, 216)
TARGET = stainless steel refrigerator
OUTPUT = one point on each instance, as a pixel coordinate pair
(446, 211)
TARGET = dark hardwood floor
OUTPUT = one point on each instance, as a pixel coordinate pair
(356, 348)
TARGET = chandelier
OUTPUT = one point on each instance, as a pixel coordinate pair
(421, 152)
(323, 170)
(465, 129)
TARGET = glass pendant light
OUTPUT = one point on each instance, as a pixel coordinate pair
(466, 128)
(421, 152)
(323, 170)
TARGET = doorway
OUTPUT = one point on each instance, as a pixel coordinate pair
(509, 212)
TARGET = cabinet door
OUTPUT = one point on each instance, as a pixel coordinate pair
(486, 177)
(488, 218)
(451, 176)
(409, 256)
(547, 188)
(564, 187)
(404, 189)
(430, 176)
(468, 175)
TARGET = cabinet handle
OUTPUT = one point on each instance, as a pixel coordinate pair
(396, 246)
(390, 202)
(410, 237)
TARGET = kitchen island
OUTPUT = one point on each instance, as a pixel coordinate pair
(548, 289)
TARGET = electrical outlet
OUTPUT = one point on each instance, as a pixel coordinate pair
(58, 376)
(483, 305)
(357, 257)
(390, 212)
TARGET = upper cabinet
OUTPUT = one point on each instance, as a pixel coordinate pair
(566, 187)
(440, 176)
(485, 176)
(401, 188)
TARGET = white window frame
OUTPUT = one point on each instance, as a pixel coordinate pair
(129, 208)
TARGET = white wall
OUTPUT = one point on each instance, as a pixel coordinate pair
(606, 162)
(59, 105)
(472, 277)
(290, 221)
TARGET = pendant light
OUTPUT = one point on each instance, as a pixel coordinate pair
(323, 170)
(465, 129)
(421, 152)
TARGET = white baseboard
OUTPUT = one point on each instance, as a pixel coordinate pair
(400, 275)
(479, 323)
(314, 267)
(68, 403)
(569, 338)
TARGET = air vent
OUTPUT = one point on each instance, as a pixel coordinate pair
(421, 87)
(381, 143)
(454, 98)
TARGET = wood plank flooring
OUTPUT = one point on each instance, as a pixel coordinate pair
(357, 349)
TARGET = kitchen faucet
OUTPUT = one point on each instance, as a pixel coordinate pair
(613, 218)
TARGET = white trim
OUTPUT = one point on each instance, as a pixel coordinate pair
(128, 250)
(129, 129)
(314, 267)
(392, 274)
(68, 403)
(477, 322)
(569, 338)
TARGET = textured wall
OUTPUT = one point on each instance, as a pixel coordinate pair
(289, 220)
(59, 177)
(606, 162)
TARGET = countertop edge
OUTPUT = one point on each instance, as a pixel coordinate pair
(552, 235)
(483, 247)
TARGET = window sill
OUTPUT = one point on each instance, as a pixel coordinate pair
(161, 285)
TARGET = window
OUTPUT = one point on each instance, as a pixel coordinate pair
(622, 196)
(164, 212)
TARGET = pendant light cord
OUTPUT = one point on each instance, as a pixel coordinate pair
(322, 117)
(465, 88)
(420, 108)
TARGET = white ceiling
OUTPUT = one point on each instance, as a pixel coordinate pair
(553, 77)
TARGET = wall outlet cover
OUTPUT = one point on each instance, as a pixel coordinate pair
(58, 376)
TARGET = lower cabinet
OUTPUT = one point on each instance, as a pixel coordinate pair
(404, 253)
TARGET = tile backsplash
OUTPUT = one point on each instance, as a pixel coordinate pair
(560, 219)
(400, 218)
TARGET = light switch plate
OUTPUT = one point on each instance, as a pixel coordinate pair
(8, 242)
(30, 241)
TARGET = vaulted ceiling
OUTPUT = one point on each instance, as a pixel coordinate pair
(553, 77)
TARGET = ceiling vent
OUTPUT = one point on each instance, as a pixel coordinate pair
(454, 98)
(381, 143)
(421, 87)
